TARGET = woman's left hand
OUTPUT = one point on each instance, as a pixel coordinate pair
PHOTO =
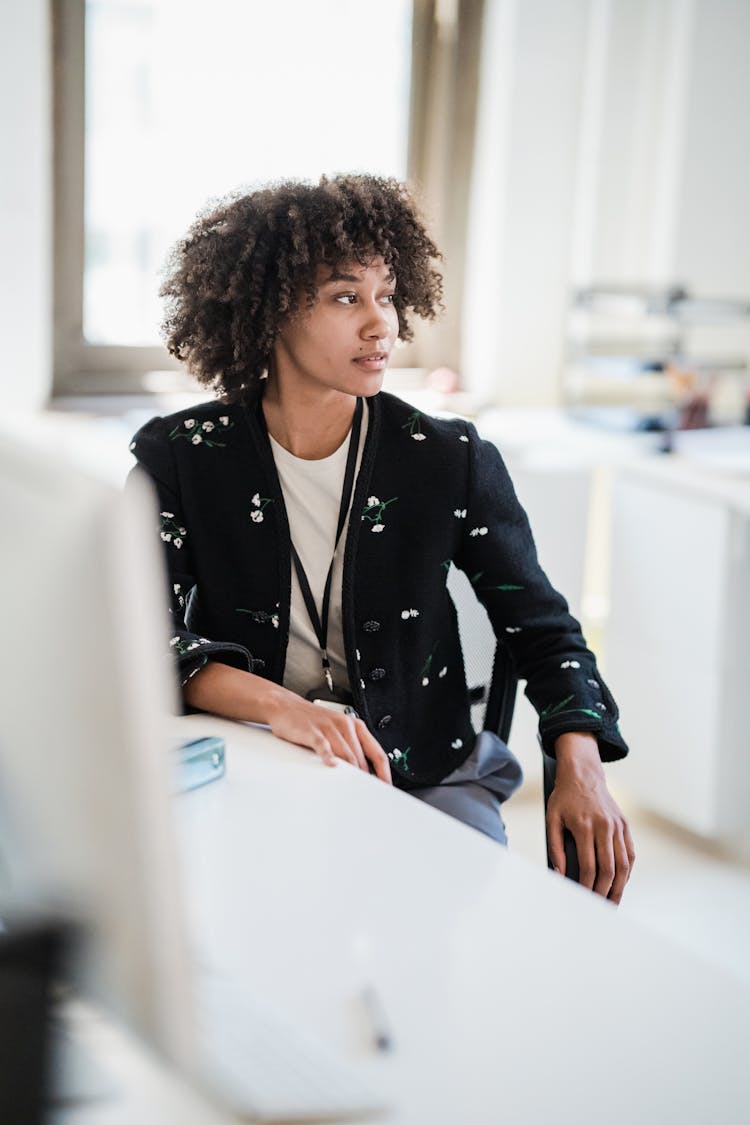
(582, 803)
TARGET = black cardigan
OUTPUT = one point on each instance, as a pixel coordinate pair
(429, 492)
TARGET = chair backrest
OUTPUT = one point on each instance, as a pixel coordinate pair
(490, 673)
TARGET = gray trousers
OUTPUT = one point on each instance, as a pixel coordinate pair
(474, 792)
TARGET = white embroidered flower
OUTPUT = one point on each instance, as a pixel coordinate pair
(378, 527)
(404, 614)
(256, 500)
(275, 620)
(166, 536)
(362, 684)
(601, 707)
(442, 672)
(131, 447)
(196, 439)
(478, 531)
(425, 681)
(207, 427)
(457, 743)
(189, 423)
(173, 641)
(407, 613)
(256, 516)
(419, 437)
(177, 542)
(413, 613)
(395, 754)
(224, 419)
(463, 437)
(356, 653)
(570, 664)
(168, 515)
(182, 530)
(594, 683)
(177, 587)
(512, 628)
(372, 501)
(460, 513)
(192, 645)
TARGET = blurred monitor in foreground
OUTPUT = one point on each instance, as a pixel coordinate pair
(85, 694)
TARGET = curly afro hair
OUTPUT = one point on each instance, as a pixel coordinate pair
(252, 259)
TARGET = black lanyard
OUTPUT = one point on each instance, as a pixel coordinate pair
(320, 623)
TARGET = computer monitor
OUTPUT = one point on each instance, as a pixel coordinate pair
(85, 698)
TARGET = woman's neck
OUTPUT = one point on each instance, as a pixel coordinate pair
(308, 427)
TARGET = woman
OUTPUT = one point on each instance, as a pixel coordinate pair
(309, 520)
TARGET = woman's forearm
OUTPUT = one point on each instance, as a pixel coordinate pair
(233, 694)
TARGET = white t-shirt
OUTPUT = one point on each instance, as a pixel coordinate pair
(312, 495)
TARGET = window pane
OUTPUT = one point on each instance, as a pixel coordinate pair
(187, 100)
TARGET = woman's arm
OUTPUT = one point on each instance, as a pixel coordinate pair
(235, 694)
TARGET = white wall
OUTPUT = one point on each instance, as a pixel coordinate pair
(613, 146)
(523, 197)
(25, 204)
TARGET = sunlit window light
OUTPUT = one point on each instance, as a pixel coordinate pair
(188, 100)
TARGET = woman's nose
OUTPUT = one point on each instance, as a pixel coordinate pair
(377, 324)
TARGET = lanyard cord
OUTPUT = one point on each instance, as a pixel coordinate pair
(320, 623)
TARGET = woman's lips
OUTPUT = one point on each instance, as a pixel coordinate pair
(375, 361)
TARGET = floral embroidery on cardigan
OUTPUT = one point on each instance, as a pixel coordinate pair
(374, 509)
(407, 613)
(561, 708)
(259, 503)
(182, 646)
(193, 671)
(170, 531)
(478, 531)
(425, 673)
(200, 433)
(400, 756)
(414, 425)
(260, 616)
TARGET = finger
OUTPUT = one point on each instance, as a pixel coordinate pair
(629, 846)
(320, 746)
(606, 865)
(555, 841)
(623, 868)
(348, 734)
(342, 749)
(583, 835)
(374, 752)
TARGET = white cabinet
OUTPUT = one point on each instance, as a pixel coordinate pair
(678, 641)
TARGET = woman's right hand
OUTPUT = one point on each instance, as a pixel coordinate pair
(329, 734)
(235, 694)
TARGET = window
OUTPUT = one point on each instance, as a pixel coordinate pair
(162, 105)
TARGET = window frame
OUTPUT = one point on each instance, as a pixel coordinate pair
(81, 367)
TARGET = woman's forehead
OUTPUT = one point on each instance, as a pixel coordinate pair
(354, 272)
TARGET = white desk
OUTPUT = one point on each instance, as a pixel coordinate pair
(514, 996)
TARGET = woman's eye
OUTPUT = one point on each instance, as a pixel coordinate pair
(346, 298)
(389, 298)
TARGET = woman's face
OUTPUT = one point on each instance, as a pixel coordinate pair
(343, 341)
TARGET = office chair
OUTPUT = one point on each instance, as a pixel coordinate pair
(493, 686)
